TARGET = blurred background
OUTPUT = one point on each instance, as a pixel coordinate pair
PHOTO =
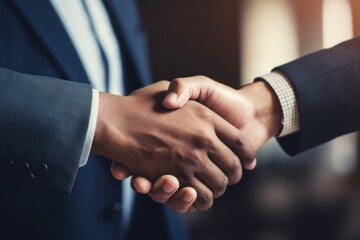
(315, 195)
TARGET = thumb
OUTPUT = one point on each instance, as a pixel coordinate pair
(177, 94)
(182, 90)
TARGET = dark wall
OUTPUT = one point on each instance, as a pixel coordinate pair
(193, 37)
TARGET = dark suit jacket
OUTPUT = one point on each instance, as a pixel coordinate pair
(327, 87)
(42, 128)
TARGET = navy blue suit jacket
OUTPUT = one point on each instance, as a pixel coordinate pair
(326, 85)
(33, 41)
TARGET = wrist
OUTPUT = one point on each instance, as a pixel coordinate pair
(109, 138)
(100, 129)
(266, 106)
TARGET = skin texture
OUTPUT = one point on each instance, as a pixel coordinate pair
(254, 109)
(193, 144)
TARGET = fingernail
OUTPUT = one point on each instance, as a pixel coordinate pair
(168, 187)
(187, 197)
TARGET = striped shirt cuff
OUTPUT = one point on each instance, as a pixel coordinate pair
(286, 95)
(91, 128)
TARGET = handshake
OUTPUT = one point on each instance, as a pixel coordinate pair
(184, 142)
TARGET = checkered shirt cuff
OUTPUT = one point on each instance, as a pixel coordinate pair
(286, 95)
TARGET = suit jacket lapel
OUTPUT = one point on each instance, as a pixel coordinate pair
(128, 28)
(47, 26)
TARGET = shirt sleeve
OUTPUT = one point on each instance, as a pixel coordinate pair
(91, 129)
(286, 95)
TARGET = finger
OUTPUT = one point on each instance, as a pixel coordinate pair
(252, 165)
(118, 171)
(212, 177)
(245, 151)
(141, 185)
(233, 138)
(204, 199)
(227, 161)
(177, 95)
(164, 188)
(182, 200)
(183, 89)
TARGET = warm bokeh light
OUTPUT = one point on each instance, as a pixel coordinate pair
(269, 36)
(337, 22)
(314, 195)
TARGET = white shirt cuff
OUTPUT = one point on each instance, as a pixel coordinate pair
(91, 128)
(286, 95)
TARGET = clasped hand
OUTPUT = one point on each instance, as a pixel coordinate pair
(192, 147)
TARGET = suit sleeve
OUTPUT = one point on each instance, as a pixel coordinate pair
(43, 125)
(327, 88)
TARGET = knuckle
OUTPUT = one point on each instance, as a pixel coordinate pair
(202, 77)
(247, 155)
(195, 160)
(204, 201)
(203, 138)
(236, 166)
(178, 83)
(245, 150)
(202, 114)
(203, 133)
(250, 156)
(186, 172)
(221, 187)
(239, 141)
(205, 114)
(235, 172)
(200, 111)
(224, 181)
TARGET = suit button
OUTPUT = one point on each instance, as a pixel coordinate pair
(7, 166)
(114, 211)
(23, 168)
(11, 165)
(40, 172)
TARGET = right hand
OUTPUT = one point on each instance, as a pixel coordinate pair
(193, 144)
(254, 109)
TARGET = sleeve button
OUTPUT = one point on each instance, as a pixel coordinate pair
(40, 172)
(22, 168)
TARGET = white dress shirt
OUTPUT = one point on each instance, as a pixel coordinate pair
(89, 28)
